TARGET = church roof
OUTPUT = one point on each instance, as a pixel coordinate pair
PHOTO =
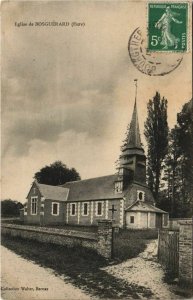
(144, 207)
(93, 189)
(53, 192)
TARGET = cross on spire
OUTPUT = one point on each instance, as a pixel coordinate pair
(135, 80)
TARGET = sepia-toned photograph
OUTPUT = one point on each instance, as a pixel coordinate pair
(96, 150)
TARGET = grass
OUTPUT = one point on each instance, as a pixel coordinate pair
(17, 221)
(11, 220)
(81, 267)
(129, 243)
(75, 227)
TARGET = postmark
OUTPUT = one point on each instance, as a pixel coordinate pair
(152, 64)
(168, 26)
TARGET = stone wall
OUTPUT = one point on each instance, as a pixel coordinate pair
(174, 223)
(105, 238)
(100, 242)
(186, 253)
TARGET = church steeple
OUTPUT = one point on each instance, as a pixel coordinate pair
(133, 139)
(132, 161)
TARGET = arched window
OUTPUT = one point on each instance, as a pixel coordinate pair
(140, 195)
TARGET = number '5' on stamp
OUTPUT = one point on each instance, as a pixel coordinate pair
(167, 27)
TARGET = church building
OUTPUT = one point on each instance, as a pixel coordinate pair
(123, 197)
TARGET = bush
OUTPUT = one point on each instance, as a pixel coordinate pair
(10, 208)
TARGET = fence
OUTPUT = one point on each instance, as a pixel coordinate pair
(175, 251)
(168, 250)
(100, 241)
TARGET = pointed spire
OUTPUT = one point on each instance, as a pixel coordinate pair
(132, 161)
(133, 139)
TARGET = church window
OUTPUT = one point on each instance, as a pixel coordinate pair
(34, 190)
(73, 209)
(140, 195)
(34, 201)
(55, 208)
(85, 209)
(99, 209)
(118, 187)
(132, 219)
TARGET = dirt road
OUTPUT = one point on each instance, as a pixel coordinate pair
(30, 281)
(145, 271)
(141, 277)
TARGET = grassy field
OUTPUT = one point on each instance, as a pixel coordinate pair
(80, 266)
(17, 221)
(12, 221)
(76, 227)
(129, 243)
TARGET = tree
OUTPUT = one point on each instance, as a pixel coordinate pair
(10, 208)
(185, 139)
(172, 174)
(156, 133)
(178, 172)
(56, 174)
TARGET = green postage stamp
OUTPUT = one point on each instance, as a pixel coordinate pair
(168, 26)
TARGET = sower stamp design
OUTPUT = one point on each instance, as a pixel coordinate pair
(167, 26)
(152, 64)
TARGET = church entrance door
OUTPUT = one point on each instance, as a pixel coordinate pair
(158, 220)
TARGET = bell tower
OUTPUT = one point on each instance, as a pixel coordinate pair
(132, 161)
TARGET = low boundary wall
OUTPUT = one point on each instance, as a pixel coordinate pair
(100, 241)
(174, 223)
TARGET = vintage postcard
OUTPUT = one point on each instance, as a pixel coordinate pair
(96, 160)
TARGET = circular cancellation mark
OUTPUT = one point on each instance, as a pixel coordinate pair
(151, 63)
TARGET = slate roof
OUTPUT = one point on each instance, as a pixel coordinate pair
(53, 192)
(144, 207)
(93, 189)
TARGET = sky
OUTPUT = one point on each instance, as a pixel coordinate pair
(68, 92)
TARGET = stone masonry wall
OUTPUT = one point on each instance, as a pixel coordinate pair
(174, 223)
(105, 238)
(186, 253)
(100, 242)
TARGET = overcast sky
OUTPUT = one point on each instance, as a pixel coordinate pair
(68, 92)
